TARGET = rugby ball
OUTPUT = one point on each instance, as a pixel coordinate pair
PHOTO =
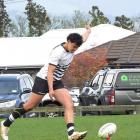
(107, 130)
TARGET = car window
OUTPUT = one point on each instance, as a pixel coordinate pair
(97, 80)
(31, 81)
(100, 80)
(108, 79)
(27, 82)
(8, 87)
(22, 84)
(128, 80)
(94, 80)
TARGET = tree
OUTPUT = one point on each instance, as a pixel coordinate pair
(65, 22)
(38, 19)
(97, 17)
(4, 20)
(61, 22)
(20, 28)
(124, 22)
(55, 23)
(79, 19)
(136, 21)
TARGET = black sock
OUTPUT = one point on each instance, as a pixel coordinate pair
(16, 114)
(70, 128)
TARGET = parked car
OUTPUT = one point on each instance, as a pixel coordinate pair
(74, 92)
(91, 90)
(113, 87)
(121, 87)
(46, 101)
(14, 90)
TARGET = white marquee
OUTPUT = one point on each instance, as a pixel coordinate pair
(33, 51)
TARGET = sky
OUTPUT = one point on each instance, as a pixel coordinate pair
(130, 8)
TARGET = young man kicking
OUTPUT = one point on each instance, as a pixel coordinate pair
(48, 80)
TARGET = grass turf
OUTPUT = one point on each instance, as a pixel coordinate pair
(128, 127)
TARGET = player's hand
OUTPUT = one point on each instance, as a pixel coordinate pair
(88, 28)
(51, 95)
(86, 34)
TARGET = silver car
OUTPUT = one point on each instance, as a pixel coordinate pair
(120, 87)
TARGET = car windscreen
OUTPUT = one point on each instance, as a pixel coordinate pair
(109, 79)
(128, 80)
(8, 87)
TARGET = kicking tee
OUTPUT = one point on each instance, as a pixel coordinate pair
(61, 59)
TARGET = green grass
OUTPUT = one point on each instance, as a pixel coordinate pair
(128, 127)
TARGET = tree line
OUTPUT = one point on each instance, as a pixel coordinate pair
(37, 21)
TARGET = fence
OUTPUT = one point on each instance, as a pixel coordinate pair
(79, 109)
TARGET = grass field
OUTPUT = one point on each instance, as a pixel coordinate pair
(128, 127)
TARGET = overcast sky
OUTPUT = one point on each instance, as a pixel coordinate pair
(129, 8)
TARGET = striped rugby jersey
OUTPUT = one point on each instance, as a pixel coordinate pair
(61, 59)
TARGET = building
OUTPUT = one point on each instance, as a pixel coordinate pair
(124, 52)
(29, 54)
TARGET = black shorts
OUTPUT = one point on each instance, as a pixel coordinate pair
(41, 86)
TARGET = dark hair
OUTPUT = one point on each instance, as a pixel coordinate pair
(75, 38)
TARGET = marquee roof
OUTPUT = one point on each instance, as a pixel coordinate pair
(34, 51)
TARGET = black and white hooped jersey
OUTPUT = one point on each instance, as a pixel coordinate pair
(61, 59)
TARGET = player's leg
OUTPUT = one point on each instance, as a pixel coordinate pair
(63, 96)
(38, 91)
(33, 100)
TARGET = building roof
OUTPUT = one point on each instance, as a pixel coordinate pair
(100, 34)
(34, 51)
(125, 51)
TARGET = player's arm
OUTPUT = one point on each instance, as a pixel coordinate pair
(51, 69)
(86, 34)
(54, 58)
